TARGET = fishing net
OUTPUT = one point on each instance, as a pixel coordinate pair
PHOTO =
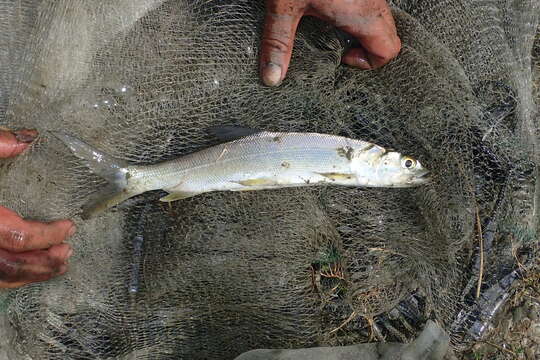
(222, 273)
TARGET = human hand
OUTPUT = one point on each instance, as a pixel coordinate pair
(370, 21)
(30, 251)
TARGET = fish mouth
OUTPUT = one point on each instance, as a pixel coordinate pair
(425, 175)
(421, 179)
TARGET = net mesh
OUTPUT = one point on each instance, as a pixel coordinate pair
(216, 275)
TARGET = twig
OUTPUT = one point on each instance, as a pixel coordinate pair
(313, 282)
(385, 250)
(481, 240)
(336, 273)
(349, 319)
(334, 288)
(499, 347)
(371, 327)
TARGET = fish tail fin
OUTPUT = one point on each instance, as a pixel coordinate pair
(105, 199)
(115, 171)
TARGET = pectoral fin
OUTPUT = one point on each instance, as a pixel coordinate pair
(336, 176)
(178, 196)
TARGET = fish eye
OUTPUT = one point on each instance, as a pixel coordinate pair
(408, 163)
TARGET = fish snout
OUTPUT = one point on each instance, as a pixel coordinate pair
(422, 178)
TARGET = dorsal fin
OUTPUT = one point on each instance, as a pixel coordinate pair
(230, 133)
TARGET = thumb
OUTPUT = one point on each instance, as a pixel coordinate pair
(280, 26)
(14, 143)
(378, 39)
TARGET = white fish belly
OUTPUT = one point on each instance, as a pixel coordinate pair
(262, 161)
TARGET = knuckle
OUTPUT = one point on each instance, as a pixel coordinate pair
(285, 7)
(275, 45)
(15, 240)
(12, 234)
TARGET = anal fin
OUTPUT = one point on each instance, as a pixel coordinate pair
(178, 196)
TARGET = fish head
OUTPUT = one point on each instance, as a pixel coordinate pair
(397, 170)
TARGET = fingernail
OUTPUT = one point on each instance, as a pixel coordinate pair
(25, 136)
(69, 253)
(72, 230)
(272, 74)
(364, 63)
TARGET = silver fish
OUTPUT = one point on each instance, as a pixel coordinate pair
(253, 161)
